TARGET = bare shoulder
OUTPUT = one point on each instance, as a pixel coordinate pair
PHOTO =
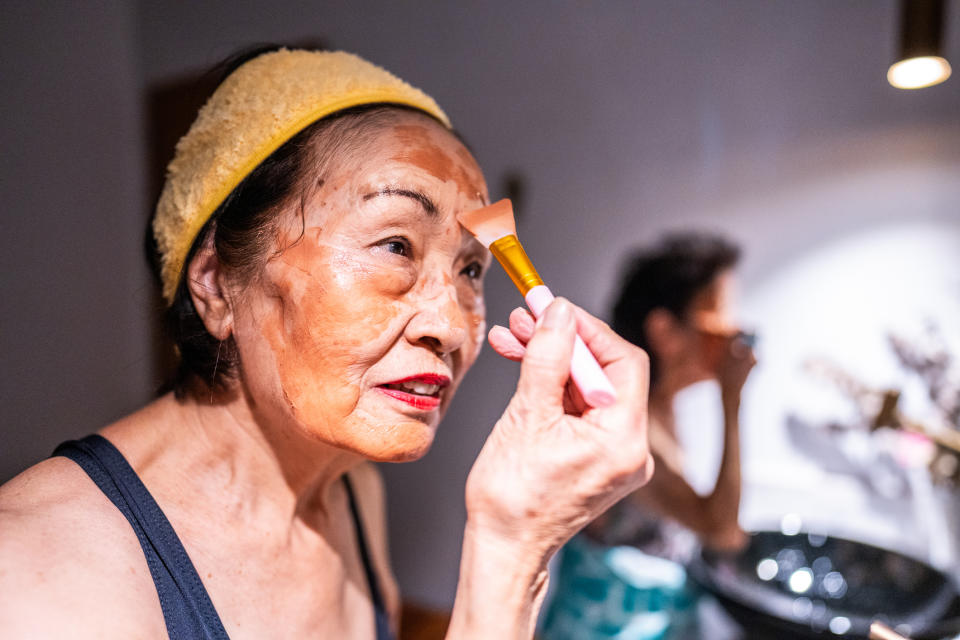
(70, 564)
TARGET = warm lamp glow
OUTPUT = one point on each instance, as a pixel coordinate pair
(916, 73)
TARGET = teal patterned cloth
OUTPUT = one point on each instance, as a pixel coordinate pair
(617, 592)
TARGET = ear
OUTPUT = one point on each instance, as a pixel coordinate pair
(661, 329)
(205, 283)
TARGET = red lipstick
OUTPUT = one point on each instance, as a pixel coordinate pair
(421, 391)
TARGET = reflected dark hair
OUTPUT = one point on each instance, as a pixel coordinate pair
(668, 276)
(244, 229)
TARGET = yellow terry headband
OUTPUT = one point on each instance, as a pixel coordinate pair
(258, 108)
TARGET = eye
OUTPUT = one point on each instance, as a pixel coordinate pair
(474, 270)
(398, 246)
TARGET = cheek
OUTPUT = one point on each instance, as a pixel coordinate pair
(477, 330)
(352, 270)
(477, 336)
(711, 352)
(474, 313)
(331, 323)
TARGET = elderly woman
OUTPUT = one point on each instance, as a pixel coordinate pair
(326, 305)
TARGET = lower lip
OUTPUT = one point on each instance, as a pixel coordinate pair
(423, 403)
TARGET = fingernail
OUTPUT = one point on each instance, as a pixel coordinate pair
(558, 315)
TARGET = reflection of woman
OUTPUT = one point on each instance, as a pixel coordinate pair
(676, 303)
(326, 305)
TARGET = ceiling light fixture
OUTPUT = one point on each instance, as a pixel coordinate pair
(921, 31)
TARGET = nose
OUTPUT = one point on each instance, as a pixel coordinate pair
(439, 322)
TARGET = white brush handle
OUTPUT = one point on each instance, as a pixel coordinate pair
(586, 372)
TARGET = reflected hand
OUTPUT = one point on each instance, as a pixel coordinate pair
(734, 367)
(552, 463)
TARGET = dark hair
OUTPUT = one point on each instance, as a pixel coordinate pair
(668, 276)
(245, 227)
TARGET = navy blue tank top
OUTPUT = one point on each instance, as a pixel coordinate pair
(187, 609)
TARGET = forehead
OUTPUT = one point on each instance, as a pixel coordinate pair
(393, 143)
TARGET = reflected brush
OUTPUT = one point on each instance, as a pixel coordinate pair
(495, 228)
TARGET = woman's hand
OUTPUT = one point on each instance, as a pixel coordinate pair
(737, 362)
(551, 464)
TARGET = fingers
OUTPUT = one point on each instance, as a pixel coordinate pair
(522, 324)
(605, 345)
(740, 348)
(626, 365)
(546, 363)
(511, 344)
(506, 344)
(738, 360)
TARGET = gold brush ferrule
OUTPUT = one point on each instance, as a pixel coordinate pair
(509, 252)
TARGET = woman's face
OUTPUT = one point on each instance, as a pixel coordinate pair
(360, 329)
(706, 333)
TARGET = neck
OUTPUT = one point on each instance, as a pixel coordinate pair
(662, 393)
(661, 405)
(223, 446)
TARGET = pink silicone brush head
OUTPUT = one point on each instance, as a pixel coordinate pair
(490, 223)
(495, 228)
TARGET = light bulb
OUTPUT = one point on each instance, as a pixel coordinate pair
(916, 73)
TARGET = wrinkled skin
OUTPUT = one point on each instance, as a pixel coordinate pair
(371, 286)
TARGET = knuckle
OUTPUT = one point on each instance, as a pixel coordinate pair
(602, 326)
(535, 360)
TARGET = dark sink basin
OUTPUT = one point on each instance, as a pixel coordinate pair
(815, 586)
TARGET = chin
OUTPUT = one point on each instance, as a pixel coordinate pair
(402, 442)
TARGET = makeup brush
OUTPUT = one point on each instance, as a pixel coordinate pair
(495, 228)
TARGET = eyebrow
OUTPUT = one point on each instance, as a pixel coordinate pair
(427, 204)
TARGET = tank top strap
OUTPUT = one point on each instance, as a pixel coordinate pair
(187, 609)
(379, 608)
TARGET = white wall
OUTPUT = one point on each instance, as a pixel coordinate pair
(770, 120)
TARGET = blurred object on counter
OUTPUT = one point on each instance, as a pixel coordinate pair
(876, 459)
(934, 363)
(880, 408)
(880, 631)
(793, 585)
(893, 452)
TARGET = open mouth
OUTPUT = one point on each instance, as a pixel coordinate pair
(420, 391)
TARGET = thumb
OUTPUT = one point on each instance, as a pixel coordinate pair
(546, 364)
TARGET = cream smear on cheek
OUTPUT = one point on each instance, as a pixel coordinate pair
(323, 353)
(450, 309)
(477, 317)
(327, 327)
